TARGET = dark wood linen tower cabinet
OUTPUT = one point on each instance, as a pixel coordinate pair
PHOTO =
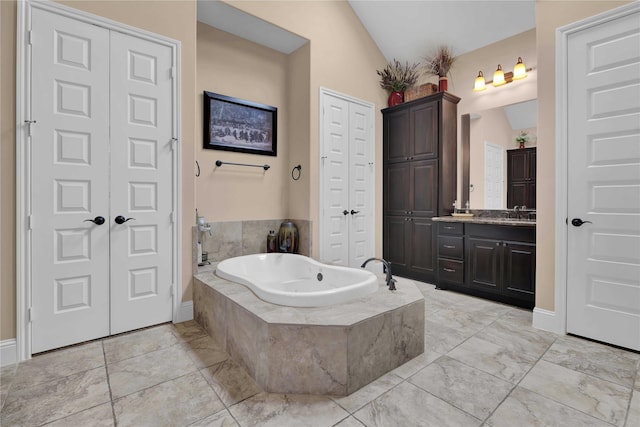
(420, 181)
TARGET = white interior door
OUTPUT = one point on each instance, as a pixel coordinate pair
(360, 184)
(335, 181)
(70, 184)
(101, 147)
(493, 176)
(603, 259)
(346, 223)
(141, 183)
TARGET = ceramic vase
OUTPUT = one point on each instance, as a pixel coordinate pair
(443, 84)
(288, 238)
(395, 98)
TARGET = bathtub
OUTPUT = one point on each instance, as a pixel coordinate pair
(296, 280)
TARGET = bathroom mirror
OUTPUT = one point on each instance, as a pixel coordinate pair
(486, 136)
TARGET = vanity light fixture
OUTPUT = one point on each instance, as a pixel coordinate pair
(500, 77)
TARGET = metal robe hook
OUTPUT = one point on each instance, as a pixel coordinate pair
(295, 176)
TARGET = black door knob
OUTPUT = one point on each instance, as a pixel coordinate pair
(354, 212)
(577, 222)
(99, 220)
(121, 220)
(345, 212)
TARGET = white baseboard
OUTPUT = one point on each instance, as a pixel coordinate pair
(547, 321)
(185, 312)
(8, 352)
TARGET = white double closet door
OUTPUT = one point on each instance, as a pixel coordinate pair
(346, 181)
(101, 148)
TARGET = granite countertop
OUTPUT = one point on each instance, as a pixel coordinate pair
(488, 220)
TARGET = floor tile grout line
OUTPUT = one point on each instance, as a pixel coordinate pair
(517, 384)
(106, 369)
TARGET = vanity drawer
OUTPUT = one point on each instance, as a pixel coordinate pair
(450, 228)
(450, 271)
(450, 247)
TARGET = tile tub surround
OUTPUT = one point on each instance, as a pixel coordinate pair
(323, 350)
(234, 238)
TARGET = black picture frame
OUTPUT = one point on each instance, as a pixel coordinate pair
(233, 124)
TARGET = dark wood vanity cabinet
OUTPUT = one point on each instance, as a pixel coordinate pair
(521, 178)
(419, 166)
(498, 262)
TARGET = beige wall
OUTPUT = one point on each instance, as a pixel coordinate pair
(7, 170)
(549, 16)
(232, 66)
(343, 58)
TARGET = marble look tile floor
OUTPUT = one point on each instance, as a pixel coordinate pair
(484, 365)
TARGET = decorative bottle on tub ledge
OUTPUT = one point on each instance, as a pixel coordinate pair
(288, 238)
(272, 242)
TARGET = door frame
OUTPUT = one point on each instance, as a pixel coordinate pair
(321, 146)
(556, 321)
(23, 155)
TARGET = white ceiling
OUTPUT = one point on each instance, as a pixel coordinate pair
(406, 30)
(410, 30)
(231, 20)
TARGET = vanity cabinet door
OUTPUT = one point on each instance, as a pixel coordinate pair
(423, 190)
(423, 127)
(396, 136)
(396, 247)
(397, 194)
(423, 247)
(519, 270)
(484, 263)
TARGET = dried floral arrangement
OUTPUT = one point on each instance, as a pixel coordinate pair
(439, 63)
(397, 77)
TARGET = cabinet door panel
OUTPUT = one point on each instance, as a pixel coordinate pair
(395, 241)
(396, 136)
(484, 264)
(423, 245)
(518, 163)
(518, 194)
(397, 189)
(520, 270)
(424, 188)
(424, 131)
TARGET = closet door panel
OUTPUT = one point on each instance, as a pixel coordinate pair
(69, 181)
(141, 183)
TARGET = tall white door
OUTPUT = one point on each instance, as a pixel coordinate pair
(141, 183)
(100, 147)
(346, 223)
(603, 283)
(70, 181)
(493, 176)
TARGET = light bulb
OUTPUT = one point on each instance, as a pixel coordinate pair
(479, 84)
(519, 71)
(498, 77)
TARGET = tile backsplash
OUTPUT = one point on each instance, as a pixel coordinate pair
(234, 238)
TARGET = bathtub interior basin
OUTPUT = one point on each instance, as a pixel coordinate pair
(296, 280)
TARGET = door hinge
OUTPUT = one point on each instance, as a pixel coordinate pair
(173, 72)
(30, 222)
(172, 218)
(174, 141)
(30, 37)
(30, 314)
(173, 290)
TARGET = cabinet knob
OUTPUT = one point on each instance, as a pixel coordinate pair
(497, 243)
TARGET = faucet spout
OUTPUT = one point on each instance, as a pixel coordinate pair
(391, 282)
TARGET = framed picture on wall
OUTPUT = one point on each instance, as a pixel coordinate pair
(234, 124)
